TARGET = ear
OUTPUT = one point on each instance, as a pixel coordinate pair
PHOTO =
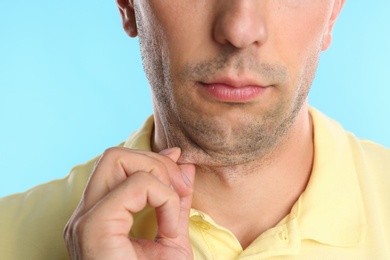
(327, 40)
(126, 9)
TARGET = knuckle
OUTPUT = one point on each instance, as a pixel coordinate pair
(123, 163)
(159, 170)
(112, 152)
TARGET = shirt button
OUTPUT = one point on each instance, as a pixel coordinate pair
(283, 236)
(203, 225)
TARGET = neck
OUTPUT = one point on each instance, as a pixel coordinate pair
(261, 192)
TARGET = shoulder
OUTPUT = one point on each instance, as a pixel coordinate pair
(340, 151)
(375, 152)
(370, 156)
(358, 174)
(331, 136)
(372, 163)
(32, 222)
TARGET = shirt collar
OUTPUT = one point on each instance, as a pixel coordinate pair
(141, 139)
(330, 210)
(331, 207)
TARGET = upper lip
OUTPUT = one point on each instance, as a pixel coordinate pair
(235, 82)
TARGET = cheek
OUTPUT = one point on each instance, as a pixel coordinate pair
(298, 33)
(185, 29)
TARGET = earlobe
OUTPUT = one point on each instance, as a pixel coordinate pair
(327, 39)
(126, 9)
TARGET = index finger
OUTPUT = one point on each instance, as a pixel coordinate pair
(117, 164)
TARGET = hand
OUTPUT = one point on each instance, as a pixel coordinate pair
(123, 182)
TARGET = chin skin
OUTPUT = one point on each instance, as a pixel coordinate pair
(218, 133)
(219, 142)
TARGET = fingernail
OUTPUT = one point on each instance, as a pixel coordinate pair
(186, 180)
(168, 151)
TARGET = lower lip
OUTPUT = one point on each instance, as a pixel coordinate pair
(226, 93)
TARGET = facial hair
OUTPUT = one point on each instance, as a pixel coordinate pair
(207, 138)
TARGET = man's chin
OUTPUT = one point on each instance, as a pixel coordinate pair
(217, 158)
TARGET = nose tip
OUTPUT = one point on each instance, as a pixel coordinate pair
(240, 24)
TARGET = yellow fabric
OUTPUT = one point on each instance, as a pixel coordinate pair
(343, 214)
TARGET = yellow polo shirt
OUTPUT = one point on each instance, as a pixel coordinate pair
(344, 212)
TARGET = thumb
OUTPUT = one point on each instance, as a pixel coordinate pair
(182, 240)
(185, 196)
(188, 171)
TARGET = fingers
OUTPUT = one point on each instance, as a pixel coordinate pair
(186, 201)
(123, 182)
(104, 229)
(188, 173)
(181, 184)
(131, 196)
(117, 164)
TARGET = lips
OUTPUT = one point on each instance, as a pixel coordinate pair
(226, 90)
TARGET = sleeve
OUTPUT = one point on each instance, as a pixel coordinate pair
(32, 223)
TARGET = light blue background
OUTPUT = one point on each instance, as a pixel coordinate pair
(71, 83)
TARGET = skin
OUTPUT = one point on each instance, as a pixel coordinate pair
(254, 154)
(249, 40)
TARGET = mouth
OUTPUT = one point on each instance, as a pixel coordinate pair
(232, 91)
